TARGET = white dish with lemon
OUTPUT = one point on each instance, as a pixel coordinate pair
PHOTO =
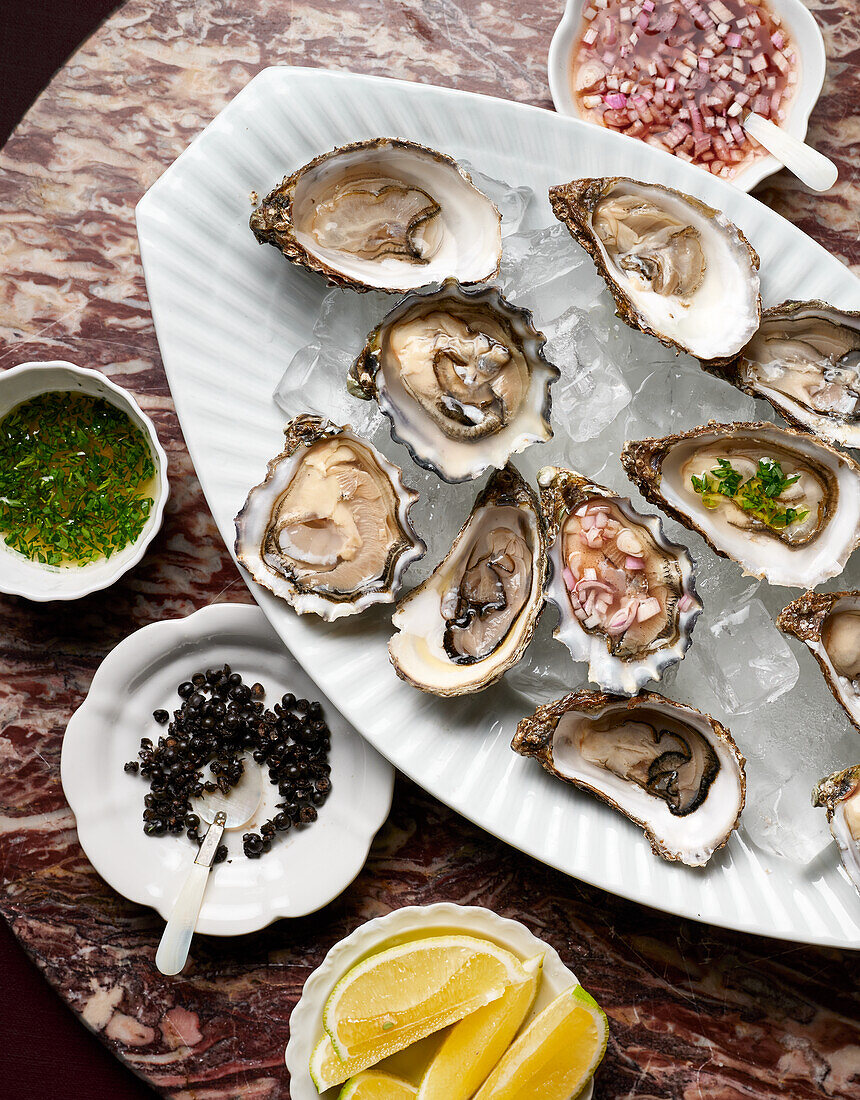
(534, 979)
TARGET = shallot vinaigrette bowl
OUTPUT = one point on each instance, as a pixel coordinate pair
(802, 30)
(34, 580)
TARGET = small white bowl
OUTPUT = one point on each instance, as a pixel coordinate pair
(802, 28)
(34, 581)
(414, 921)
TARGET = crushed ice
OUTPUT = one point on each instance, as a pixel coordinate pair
(618, 384)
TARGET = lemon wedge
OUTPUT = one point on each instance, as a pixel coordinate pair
(377, 1086)
(394, 998)
(557, 1054)
(474, 1045)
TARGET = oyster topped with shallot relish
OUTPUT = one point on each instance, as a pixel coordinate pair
(625, 594)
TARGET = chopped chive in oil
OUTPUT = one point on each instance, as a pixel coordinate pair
(75, 475)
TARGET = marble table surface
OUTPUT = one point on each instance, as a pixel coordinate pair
(695, 1012)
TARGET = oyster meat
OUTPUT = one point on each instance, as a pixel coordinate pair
(805, 360)
(625, 594)
(779, 503)
(829, 624)
(669, 768)
(839, 794)
(461, 375)
(328, 530)
(472, 618)
(678, 270)
(384, 215)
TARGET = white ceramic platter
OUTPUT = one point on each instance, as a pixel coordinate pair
(305, 869)
(412, 922)
(230, 314)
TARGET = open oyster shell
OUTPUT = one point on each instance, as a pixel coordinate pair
(472, 618)
(328, 530)
(669, 768)
(824, 502)
(461, 375)
(839, 794)
(385, 215)
(829, 623)
(678, 269)
(625, 594)
(805, 360)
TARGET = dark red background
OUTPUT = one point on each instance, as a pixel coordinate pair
(44, 1052)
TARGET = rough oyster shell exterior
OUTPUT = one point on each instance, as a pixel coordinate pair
(574, 204)
(505, 488)
(252, 523)
(273, 220)
(530, 425)
(534, 737)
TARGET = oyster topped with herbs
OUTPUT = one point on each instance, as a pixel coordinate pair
(781, 504)
(328, 530)
(678, 269)
(385, 215)
(460, 373)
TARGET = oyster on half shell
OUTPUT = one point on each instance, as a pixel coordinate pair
(328, 530)
(384, 214)
(460, 373)
(839, 794)
(780, 503)
(805, 360)
(668, 767)
(829, 624)
(625, 594)
(678, 269)
(472, 618)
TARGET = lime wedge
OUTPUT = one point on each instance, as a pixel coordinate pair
(557, 1054)
(377, 1086)
(474, 1045)
(400, 995)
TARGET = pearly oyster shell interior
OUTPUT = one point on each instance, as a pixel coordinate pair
(625, 594)
(678, 269)
(461, 374)
(472, 618)
(672, 770)
(805, 360)
(829, 624)
(814, 523)
(839, 795)
(328, 530)
(384, 214)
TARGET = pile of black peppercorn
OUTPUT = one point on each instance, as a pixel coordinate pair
(219, 720)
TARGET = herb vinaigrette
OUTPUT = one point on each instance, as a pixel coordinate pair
(76, 479)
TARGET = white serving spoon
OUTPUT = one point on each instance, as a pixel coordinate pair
(220, 812)
(811, 167)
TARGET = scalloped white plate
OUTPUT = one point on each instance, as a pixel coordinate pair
(230, 314)
(412, 922)
(305, 869)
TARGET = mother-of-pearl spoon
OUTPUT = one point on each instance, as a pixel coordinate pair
(220, 812)
(811, 167)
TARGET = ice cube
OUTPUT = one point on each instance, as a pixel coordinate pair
(591, 390)
(547, 272)
(789, 747)
(744, 658)
(546, 671)
(511, 201)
